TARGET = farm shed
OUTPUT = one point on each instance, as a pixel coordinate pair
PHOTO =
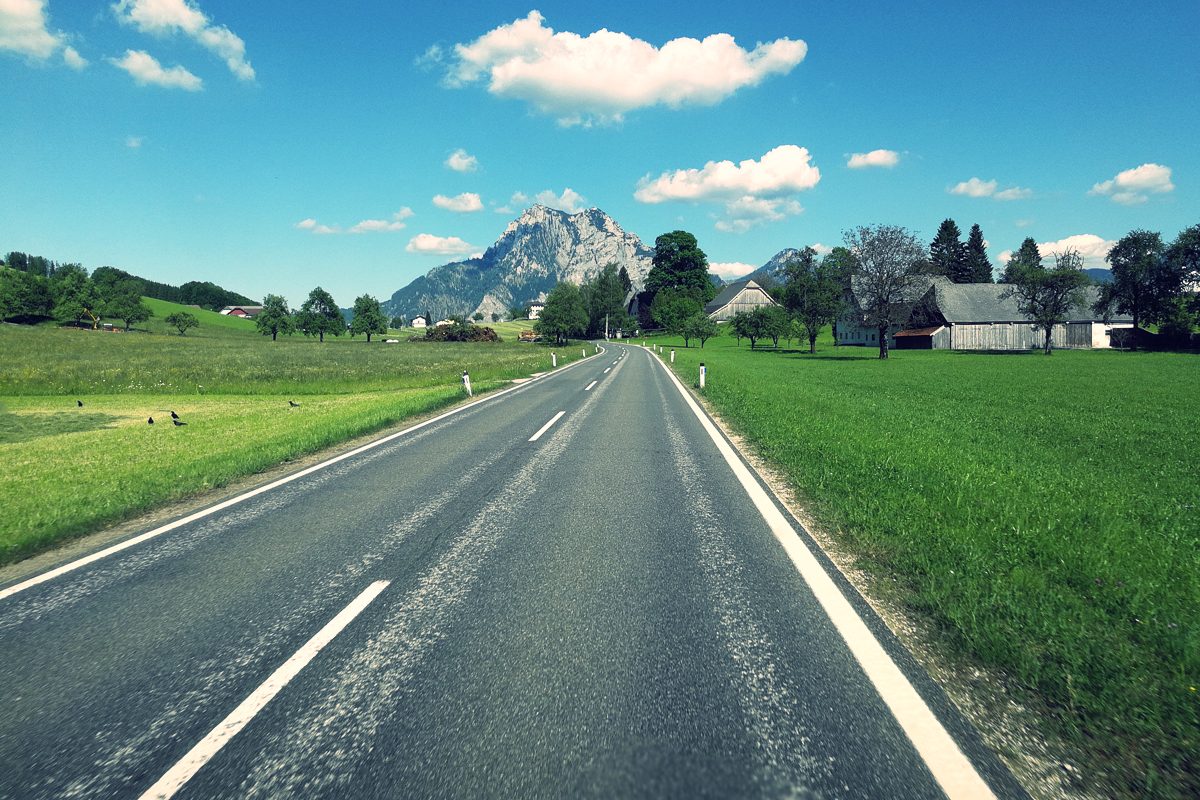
(248, 312)
(923, 338)
(741, 296)
(419, 321)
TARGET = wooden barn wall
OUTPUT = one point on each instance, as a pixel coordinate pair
(744, 301)
(1016, 336)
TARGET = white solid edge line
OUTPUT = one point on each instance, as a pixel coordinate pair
(588, 388)
(226, 729)
(546, 427)
(116, 548)
(953, 771)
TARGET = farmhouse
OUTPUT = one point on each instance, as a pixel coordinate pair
(741, 296)
(419, 321)
(976, 316)
(249, 312)
(536, 309)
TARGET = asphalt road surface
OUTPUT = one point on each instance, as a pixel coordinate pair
(569, 589)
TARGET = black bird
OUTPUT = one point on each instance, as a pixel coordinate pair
(293, 404)
(149, 420)
(174, 415)
(178, 422)
(79, 404)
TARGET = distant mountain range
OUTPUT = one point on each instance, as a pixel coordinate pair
(537, 250)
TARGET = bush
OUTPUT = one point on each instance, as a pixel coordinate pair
(458, 332)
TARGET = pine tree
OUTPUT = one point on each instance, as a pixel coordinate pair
(978, 265)
(948, 255)
(1026, 257)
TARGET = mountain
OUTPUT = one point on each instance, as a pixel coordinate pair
(1099, 274)
(537, 250)
(771, 273)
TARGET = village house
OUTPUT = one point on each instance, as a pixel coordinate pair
(976, 316)
(536, 309)
(419, 321)
(249, 312)
(736, 297)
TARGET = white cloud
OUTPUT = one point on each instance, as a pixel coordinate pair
(601, 76)
(24, 30)
(438, 245)
(875, 158)
(164, 17)
(134, 142)
(822, 249)
(570, 200)
(463, 203)
(395, 223)
(978, 188)
(730, 270)
(1092, 247)
(461, 161)
(146, 70)
(1133, 186)
(753, 192)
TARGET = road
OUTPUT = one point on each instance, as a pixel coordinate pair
(564, 590)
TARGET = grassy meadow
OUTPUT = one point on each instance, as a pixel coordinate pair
(71, 469)
(1043, 512)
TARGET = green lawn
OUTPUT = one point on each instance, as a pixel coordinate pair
(1044, 512)
(71, 469)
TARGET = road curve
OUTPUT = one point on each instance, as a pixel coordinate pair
(561, 591)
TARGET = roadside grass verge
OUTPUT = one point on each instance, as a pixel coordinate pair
(70, 470)
(1044, 513)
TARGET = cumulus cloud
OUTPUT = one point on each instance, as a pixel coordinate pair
(25, 30)
(978, 188)
(518, 200)
(462, 203)
(875, 158)
(570, 200)
(730, 270)
(601, 76)
(146, 71)
(1093, 248)
(427, 243)
(461, 161)
(165, 17)
(822, 249)
(754, 192)
(394, 223)
(1133, 186)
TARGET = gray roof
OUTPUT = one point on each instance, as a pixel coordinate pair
(966, 303)
(730, 292)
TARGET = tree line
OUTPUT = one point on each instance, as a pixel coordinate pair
(69, 294)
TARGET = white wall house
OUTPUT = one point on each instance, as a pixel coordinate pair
(419, 321)
(536, 309)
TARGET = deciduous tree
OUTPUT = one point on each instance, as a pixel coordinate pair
(812, 292)
(1048, 296)
(369, 318)
(698, 326)
(564, 315)
(182, 321)
(275, 317)
(1145, 283)
(122, 300)
(75, 295)
(319, 315)
(679, 263)
(672, 306)
(888, 277)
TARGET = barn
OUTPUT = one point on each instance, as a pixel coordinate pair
(736, 297)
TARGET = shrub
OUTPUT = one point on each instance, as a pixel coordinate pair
(458, 332)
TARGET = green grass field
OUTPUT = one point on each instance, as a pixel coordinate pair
(71, 469)
(1043, 512)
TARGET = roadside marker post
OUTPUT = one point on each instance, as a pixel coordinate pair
(554, 359)
(672, 355)
(583, 352)
(703, 371)
(467, 383)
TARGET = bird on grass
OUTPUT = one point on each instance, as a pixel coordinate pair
(293, 404)
(178, 422)
(79, 404)
(149, 420)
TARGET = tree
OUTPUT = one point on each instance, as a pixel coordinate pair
(514, 312)
(122, 300)
(605, 299)
(477, 316)
(564, 315)
(978, 267)
(182, 321)
(947, 253)
(671, 307)
(23, 294)
(626, 283)
(699, 326)
(679, 263)
(1047, 296)
(495, 317)
(320, 315)
(744, 327)
(75, 295)
(1184, 256)
(812, 292)
(887, 278)
(275, 317)
(775, 322)
(1027, 257)
(369, 318)
(1145, 283)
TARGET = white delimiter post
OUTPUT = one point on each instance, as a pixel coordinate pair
(702, 371)
(467, 383)
(583, 351)
(554, 359)
(672, 355)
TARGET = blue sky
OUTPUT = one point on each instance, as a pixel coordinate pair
(275, 146)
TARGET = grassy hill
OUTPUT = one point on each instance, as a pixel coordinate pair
(211, 323)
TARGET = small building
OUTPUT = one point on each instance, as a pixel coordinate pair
(979, 316)
(737, 297)
(419, 321)
(249, 312)
(442, 322)
(536, 309)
